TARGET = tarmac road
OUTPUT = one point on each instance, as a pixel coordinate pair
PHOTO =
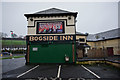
(64, 71)
(11, 64)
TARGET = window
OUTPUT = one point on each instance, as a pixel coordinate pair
(81, 39)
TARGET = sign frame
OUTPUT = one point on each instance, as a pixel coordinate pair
(50, 38)
(37, 27)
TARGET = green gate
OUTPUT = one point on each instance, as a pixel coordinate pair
(52, 53)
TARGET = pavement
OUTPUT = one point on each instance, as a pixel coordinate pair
(114, 58)
(4, 56)
(11, 64)
(111, 58)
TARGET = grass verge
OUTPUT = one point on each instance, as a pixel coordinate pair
(12, 57)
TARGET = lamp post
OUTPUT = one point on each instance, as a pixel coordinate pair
(11, 41)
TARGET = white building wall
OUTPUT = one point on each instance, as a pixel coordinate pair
(68, 25)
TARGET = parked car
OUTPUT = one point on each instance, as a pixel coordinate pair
(5, 53)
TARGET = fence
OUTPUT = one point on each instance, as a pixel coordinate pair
(97, 53)
(15, 51)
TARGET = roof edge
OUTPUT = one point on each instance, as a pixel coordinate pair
(103, 40)
(54, 14)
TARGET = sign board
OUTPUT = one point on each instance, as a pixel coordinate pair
(43, 38)
(35, 49)
(50, 27)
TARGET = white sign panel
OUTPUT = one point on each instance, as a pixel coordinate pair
(35, 49)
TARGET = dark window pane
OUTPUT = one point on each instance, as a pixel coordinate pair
(81, 39)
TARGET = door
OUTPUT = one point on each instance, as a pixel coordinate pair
(110, 51)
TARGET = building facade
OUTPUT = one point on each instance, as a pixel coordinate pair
(109, 40)
(51, 36)
(81, 44)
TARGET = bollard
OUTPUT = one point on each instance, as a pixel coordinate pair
(1, 55)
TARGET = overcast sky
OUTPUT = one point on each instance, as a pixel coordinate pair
(93, 17)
